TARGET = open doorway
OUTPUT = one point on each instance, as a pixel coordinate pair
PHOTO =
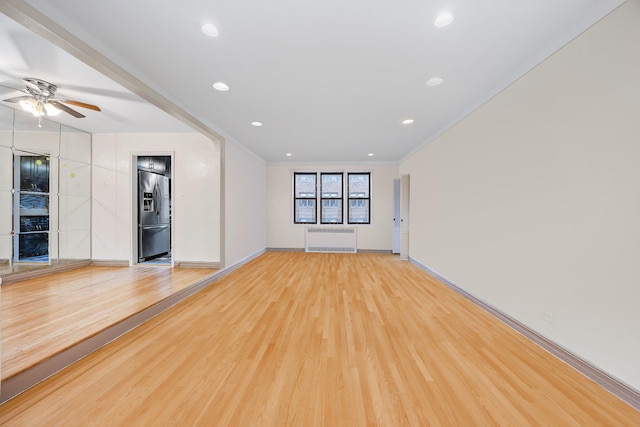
(154, 216)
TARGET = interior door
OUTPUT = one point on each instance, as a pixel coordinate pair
(404, 216)
(396, 217)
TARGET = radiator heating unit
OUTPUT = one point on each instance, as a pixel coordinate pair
(331, 239)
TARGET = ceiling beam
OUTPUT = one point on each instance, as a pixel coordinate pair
(40, 24)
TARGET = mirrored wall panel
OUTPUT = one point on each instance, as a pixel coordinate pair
(45, 193)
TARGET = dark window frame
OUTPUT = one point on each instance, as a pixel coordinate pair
(340, 198)
(296, 198)
(349, 198)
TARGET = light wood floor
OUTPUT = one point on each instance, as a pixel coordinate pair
(43, 316)
(295, 339)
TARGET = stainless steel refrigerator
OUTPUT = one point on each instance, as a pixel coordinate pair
(154, 228)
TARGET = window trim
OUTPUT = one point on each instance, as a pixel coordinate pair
(314, 198)
(318, 199)
(341, 198)
(349, 198)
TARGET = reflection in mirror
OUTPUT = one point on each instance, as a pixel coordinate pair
(45, 201)
(75, 145)
(6, 185)
(29, 137)
(6, 127)
(45, 193)
(75, 195)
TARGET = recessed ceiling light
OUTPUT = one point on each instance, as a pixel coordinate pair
(407, 121)
(434, 81)
(256, 124)
(443, 19)
(288, 154)
(222, 87)
(210, 30)
(370, 154)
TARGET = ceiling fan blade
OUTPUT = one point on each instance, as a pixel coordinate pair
(32, 85)
(17, 98)
(80, 104)
(61, 106)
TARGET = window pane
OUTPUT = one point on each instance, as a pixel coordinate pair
(33, 247)
(331, 185)
(305, 185)
(332, 211)
(34, 173)
(305, 211)
(359, 185)
(359, 211)
(34, 204)
(29, 224)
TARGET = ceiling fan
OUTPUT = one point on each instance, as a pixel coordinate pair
(40, 100)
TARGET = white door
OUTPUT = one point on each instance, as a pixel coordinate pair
(396, 217)
(404, 216)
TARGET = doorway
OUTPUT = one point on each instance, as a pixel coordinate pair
(31, 208)
(153, 211)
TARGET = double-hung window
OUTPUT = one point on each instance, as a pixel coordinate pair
(305, 196)
(331, 198)
(319, 197)
(359, 195)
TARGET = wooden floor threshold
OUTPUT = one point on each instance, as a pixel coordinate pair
(18, 383)
(43, 271)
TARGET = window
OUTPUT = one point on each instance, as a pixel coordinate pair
(358, 193)
(331, 198)
(323, 194)
(304, 191)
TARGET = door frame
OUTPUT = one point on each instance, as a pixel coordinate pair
(133, 212)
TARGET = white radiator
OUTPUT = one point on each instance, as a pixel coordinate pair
(331, 239)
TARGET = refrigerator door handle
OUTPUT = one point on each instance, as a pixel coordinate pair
(156, 196)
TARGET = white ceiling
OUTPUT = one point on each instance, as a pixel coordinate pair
(330, 79)
(25, 54)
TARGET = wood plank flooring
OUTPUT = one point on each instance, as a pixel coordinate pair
(43, 316)
(296, 339)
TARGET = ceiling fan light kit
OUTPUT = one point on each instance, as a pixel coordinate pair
(40, 100)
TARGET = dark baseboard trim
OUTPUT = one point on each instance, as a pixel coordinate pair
(616, 387)
(26, 379)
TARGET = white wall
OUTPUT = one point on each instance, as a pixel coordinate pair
(245, 204)
(196, 197)
(283, 233)
(532, 203)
